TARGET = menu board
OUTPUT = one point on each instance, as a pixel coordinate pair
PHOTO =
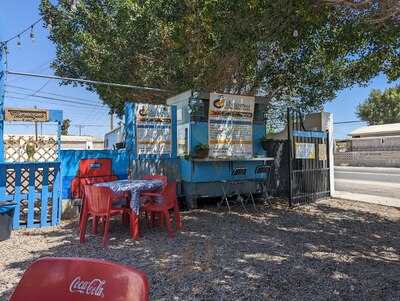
(153, 129)
(230, 126)
(305, 150)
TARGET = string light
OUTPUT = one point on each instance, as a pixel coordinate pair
(32, 35)
(3, 44)
(19, 41)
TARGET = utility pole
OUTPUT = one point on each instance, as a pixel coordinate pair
(80, 126)
(111, 121)
(36, 128)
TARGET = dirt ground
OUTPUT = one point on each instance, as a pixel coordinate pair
(328, 250)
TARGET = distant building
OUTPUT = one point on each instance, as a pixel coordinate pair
(81, 142)
(375, 145)
(67, 141)
(115, 138)
(45, 146)
(391, 129)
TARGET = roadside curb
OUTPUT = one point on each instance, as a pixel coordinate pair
(366, 198)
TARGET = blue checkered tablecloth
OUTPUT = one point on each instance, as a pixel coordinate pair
(135, 187)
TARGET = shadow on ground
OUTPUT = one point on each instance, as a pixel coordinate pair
(327, 250)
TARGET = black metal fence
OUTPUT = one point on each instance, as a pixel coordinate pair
(308, 161)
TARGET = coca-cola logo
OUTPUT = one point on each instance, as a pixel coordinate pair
(94, 287)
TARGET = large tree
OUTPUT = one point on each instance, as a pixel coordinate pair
(292, 51)
(377, 10)
(66, 123)
(381, 108)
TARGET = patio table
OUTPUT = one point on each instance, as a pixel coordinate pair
(136, 187)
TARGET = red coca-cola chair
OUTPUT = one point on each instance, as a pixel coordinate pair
(161, 204)
(78, 279)
(99, 205)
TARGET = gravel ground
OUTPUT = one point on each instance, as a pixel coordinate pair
(328, 250)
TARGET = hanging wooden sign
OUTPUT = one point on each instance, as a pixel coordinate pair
(28, 115)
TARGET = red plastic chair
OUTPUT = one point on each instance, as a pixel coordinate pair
(149, 195)
(98, 204)
(163, 179)
(78, 279)
(169, 201)
(91, 171)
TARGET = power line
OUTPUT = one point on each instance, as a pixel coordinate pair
(73, 125)
(58, 99)
(40, 89)
(40, 68)
(87, 81)
(18, 35)
(66, 102)
(351, 121)
(90, 125)
(54, 103)
(49, 93)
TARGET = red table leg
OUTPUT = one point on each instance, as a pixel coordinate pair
(134, 219)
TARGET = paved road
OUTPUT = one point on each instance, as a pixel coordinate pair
(376, 181)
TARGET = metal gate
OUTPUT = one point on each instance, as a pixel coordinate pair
(308, 161)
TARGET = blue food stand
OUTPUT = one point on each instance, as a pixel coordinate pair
(206, 176)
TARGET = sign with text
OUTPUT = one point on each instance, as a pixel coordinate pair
(322, 152)
(27, 115)
(230, 126)
(153, 129)
(305, 151)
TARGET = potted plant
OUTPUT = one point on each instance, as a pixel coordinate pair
(30, 149)
(201, 151)
(267, 144)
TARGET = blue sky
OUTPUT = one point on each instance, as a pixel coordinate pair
(344, 105)
(36, 56)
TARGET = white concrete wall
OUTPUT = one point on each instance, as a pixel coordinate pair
(387, 143)
(369, 158)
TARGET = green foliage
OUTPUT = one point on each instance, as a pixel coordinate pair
(65, 126)
(201, 147)
(201, 151)
(381, 108)
(30, 150)
(233, 46)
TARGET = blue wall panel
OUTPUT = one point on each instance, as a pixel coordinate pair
(209, 171)
(258, 133)
(120, 158)
(70, 163)
(199, 135)
(214, 171)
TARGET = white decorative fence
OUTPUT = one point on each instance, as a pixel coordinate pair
(27, 148)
